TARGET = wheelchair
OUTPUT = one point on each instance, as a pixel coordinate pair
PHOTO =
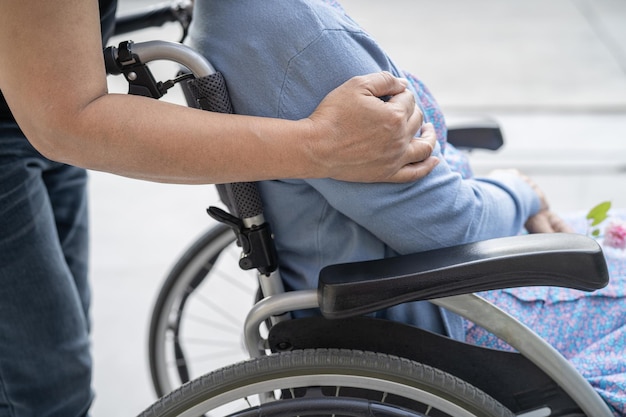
(344, 362)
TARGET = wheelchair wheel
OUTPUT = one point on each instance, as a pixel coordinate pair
(197, 320)
(327, 382)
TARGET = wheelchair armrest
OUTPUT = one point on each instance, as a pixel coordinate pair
(561, 260)
(480, 135)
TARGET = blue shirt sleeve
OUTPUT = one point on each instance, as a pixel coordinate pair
(280, 59)
(440, 210)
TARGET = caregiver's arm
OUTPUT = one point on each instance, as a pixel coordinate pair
(52, 75)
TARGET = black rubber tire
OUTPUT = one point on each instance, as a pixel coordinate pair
(399, 381)
(193, 269)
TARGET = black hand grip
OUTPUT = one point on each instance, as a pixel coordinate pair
(210, 93)
(111, 64)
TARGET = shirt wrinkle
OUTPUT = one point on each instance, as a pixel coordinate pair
(290, 61)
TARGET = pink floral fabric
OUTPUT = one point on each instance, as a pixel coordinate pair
(589, 329)
(615, 235)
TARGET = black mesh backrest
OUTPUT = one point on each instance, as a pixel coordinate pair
(210, 93)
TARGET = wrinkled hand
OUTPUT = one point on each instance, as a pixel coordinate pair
(545, 221)
(363, 138)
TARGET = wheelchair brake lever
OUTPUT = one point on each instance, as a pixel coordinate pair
(231, 221)
(258, 250)
(141, 82)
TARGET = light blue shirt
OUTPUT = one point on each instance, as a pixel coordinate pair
(280, 58)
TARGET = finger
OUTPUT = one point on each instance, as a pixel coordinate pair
(415, 171)
(383, 84)
(539, 223)
(428, 135)
(405, 100)
(558, 224)
(420, 148)
(414, 124)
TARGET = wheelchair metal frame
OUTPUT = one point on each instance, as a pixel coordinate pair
(469, 306)
(277, 302)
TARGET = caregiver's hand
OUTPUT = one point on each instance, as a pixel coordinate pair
(363, 138)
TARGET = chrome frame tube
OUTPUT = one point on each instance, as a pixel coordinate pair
(176, 52)
(473, 308)
(529, 344)
(274, 305)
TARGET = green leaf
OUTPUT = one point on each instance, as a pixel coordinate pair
(598, 214)
(595, 233)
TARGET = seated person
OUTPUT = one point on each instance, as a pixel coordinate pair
(279, 59)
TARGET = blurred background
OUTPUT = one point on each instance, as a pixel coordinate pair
(552, 74)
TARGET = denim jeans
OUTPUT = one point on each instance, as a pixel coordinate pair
(45, 360)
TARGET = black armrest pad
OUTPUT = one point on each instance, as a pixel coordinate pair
(483, 135)
(562, 260)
